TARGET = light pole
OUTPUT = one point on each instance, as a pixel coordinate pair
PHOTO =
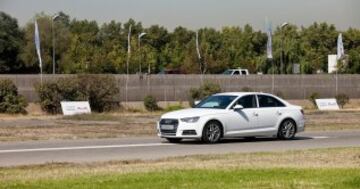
(282, 47)
(139, 40)
(53, 18)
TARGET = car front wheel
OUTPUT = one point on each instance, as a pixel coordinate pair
(212, 132)
(287, 130)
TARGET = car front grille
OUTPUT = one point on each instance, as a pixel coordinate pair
(167, 122)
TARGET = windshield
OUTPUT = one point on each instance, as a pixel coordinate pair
(228, 72)
(216, 102)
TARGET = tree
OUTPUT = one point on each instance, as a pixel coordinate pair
(84, 54)
(352, 45)
(11, 42)
(174, 53)
(288, 41)
(318, 41)
(82, 46)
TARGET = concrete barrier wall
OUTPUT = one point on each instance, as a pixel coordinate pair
(176, 87)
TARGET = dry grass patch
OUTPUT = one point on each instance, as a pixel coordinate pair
(116, 125)
(332, 120)
(323, 158)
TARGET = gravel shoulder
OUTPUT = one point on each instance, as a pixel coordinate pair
(119, 125)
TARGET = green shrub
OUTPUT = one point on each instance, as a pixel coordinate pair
(313, 97)
(173, 107)
(53, 92)
(204, 91)
(150, 103)
(342, 100)
(280, 94)
(100, 91)
(247, 89)
(10, 101)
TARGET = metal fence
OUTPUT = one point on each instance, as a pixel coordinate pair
(176, 87)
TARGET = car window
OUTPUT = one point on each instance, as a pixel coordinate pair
(247, 101)
(216, 102)
(227, 72)
(236, 73)
(243, 73)
(268, 102)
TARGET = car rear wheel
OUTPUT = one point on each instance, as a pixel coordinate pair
(287, 130)
(174, 140)
(212, 132)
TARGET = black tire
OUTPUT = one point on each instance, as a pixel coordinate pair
(287, 130)
(212, 132)
(250, 138)
(174, 140)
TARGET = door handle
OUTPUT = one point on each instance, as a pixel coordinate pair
(255, 114)
(279, 113)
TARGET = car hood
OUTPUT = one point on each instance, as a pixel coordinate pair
(191, 112)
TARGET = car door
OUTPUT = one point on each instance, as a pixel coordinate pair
(269, 112)
(244, 119)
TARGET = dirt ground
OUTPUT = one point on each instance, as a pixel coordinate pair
(115, 125)
(37, 125)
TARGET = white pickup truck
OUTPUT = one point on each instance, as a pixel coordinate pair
(237, 71)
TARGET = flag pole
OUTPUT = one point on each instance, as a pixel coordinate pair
(336, 78)
(273, 77)
(199, 56)
(127, 66)
(269, 53)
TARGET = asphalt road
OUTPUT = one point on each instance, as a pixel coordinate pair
(39, 152)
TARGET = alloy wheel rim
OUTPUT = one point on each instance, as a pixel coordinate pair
(213, 133)
(288, 130)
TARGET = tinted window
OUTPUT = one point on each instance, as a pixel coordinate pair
(228, 72)
(236, 73)
(216, 102)
(268, 101)
(247, 101)
(243, 72)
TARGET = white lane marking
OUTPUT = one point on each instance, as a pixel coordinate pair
(83, 147)
(320, 137)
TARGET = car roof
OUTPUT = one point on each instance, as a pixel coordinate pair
(241, 93)
(237, 69)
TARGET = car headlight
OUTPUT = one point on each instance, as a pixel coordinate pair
(190, 119)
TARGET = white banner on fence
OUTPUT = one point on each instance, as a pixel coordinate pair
(75, 107)
(327, 104)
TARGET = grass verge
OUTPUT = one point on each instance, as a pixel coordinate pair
(325, 168)
(234, 178)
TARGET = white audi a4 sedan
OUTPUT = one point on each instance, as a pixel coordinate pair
(230, 115)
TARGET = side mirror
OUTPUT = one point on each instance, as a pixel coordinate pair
(238, 107)
(196, 102)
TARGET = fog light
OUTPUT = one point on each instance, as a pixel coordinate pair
(189, 132)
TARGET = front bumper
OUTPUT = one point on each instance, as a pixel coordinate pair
(301, 125)
(182, 130)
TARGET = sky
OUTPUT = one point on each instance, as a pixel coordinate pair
(195, 14)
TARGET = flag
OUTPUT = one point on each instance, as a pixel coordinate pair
(269, 41)
(340, 47)
(37, 44)
(129, 40)
(197, 45)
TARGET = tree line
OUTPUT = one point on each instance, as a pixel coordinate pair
(84, 46)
